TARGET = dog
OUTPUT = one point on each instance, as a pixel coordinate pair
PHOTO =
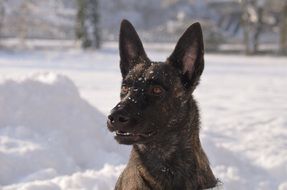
(159, 117)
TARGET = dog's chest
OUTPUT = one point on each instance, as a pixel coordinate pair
(137, 177)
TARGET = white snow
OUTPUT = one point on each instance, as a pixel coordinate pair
(53, 133)
(47, 130)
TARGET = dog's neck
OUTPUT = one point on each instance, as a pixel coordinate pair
(178, 154)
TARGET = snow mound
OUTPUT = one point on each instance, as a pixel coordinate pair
(52, 139)
(48, 130)
(90, 179)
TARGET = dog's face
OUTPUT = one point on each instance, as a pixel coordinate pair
(155, 95)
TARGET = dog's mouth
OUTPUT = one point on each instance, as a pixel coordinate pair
(124, 137)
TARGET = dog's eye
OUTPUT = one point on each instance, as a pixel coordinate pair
(157, 90)
(124, 90)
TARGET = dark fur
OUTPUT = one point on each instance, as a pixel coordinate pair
(163, 128)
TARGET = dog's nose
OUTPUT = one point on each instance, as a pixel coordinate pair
(118, 119)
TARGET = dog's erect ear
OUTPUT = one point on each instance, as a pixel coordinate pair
(131, 48)
(188, 56)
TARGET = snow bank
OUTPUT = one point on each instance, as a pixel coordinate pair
(95, 180)
(50, 138)
(48, 130)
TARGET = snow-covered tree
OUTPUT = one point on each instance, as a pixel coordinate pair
(252, 21)
(23, 20)
(259, 16)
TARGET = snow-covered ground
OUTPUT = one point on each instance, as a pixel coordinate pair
(52, 120)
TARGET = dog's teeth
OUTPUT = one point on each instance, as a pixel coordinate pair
(122, 133)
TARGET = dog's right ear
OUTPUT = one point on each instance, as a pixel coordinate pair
(131, 48)
(188, 56)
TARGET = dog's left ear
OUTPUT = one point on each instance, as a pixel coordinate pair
(131, 48)
(188, 56)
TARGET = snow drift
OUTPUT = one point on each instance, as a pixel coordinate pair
(51, 138)
(47, 130)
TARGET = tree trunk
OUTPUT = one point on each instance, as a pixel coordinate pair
(2, 16)
(283, 30)
(258, 30)
(23, 23)
(246, 27)
(81, 30)
(252, 27)
(93, 18)
(88, 29)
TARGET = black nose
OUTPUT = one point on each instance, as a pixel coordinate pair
(118, 119)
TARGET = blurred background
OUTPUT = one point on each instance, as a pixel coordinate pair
(245, 26)
(60, 77)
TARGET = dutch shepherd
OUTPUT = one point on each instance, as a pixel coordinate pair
(158, 115)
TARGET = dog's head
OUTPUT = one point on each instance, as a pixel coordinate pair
(155, 95)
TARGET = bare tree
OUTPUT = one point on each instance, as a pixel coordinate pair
(283, 29)
(258, 27)
(253, 23)
(2, 16)
(80, 23)
(22, 20)
(93, 19)
(88, 21)
(245, 19)
(23, 23)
